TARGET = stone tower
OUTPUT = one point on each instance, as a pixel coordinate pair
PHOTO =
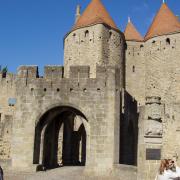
(135, 63)
(94, 40)
(159, 118)
(162, 55)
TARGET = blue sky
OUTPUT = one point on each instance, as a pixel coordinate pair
(32, 31)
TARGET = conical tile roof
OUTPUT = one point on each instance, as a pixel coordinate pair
(165, 22)
(131, 33)
(95, 13)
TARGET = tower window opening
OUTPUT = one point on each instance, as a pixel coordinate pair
(125, 46)
(168, 42)
(141, 46)
(153, 42)
(110, 34)
(74, 35)
(87, 33)
(133, 69)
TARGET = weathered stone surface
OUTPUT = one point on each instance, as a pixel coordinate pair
(110, 102)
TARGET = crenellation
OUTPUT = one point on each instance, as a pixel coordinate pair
(9, 79)
(53, 72)
(80, 81)
(28, 72)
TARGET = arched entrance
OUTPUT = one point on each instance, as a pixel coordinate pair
(60, 138)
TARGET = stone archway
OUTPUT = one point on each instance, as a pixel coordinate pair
(60, 138)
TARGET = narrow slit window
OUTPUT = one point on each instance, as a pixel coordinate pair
(125, 46)
(133, 69)
(74, 35)
(87, 33)
(168, 42)
(110, 35)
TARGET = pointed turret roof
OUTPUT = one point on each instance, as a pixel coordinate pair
(95, 13)
(165, 22)
(131, 33)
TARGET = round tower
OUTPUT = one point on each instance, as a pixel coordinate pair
(135, 63)
(162, 46)
(94, 40)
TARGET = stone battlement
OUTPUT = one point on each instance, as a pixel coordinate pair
(57, 72)
(9, 77)
(79, 80)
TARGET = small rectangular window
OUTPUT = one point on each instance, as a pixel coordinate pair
(12, 101)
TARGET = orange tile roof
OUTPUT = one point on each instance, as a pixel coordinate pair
(165, 22)
(95, 13)
(131, 33)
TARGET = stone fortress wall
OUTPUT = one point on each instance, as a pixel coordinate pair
(159, 77)
(35, 95)
(54, 87)
(153, 71)
(152, 68)
(163, 67)
(98, 95)
(7, 110)
(127, 92)
(171, 116)
(135, 70)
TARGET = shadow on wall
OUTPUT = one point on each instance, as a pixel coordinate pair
(129, 131)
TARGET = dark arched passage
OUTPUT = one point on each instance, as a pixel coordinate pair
(129, 144)
(60, 138)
